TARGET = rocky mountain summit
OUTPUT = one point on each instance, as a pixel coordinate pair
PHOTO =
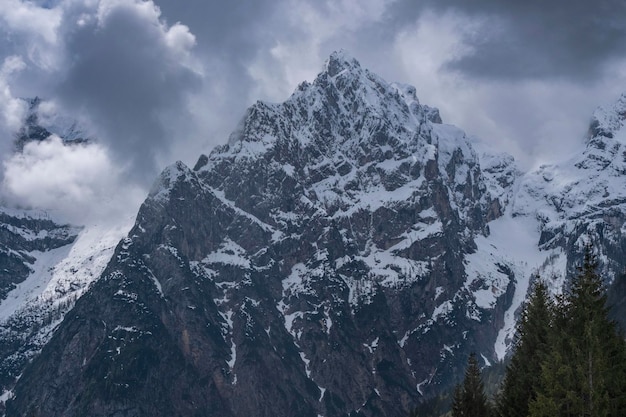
(341, 255)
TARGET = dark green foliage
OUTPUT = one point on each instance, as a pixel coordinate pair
(493, 376)
(457, 402)
(569, 358)
(583, 370)
(469, 398)
(617, 300)
(531, 348)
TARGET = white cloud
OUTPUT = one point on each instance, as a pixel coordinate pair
(11, 65)
(36, 29)
(25, 16)
(147, 9)
(11, 108)
(81, 182)
(118, 68)
(132, 75)
(436, 39)
(177, 38)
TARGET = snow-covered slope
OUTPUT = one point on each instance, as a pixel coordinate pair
(583, 198)
(61, 274)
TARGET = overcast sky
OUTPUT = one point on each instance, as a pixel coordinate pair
(156, 81)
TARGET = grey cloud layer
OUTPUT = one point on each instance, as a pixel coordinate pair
(573, 39)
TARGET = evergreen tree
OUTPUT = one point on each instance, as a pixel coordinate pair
(584, 373)
(457, 402)
(531, 347)
(470, 399)
(556, 378)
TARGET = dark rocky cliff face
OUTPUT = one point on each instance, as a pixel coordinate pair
(312, 266)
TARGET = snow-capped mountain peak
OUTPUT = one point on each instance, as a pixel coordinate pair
(607, 121)
(354, 105)
(340, 61)
(43, 120)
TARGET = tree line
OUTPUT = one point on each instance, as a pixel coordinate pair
(569, 358)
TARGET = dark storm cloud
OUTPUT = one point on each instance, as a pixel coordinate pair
(533, 39)
(230, 35)
(126, 74)
(114, 64)
(233, 29)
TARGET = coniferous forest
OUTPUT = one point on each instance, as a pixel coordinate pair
(569, 359)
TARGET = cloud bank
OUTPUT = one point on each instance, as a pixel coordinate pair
(79, 183)
(119, 69)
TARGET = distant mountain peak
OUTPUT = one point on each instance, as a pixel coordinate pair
(44, 120)
(608, 120)
(341, 61)
(169, 177)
